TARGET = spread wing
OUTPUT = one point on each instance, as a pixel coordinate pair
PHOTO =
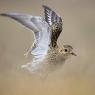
(55, 23)
(41, 32)
(50, 16)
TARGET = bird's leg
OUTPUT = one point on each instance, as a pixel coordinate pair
(28, 52)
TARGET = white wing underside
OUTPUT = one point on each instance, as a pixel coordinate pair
(41, 32)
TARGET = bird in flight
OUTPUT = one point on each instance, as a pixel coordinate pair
(45, 50)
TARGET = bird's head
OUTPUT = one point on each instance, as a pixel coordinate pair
(67, 51)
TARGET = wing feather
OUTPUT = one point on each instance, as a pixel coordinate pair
(40, 29)
(55, 23)
(50, 16)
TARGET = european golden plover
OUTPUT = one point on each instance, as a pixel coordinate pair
(46, 52)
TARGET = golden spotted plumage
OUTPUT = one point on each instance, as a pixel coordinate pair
(56, 29)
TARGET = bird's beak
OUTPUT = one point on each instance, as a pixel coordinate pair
(73, 53)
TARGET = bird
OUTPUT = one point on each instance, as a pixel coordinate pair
(45, 50)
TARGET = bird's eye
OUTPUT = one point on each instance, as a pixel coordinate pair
(65, 50)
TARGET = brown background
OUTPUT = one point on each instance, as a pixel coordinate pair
(77, 76)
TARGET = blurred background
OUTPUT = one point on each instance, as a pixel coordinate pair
(76, 77)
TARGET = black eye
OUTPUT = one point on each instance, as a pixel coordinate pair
(65, 50)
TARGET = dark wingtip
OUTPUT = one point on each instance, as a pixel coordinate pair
(3, 14)
(45, 6)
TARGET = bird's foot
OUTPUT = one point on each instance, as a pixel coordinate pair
(26, 54)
